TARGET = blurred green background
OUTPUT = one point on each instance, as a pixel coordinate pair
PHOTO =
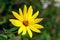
(49, 10)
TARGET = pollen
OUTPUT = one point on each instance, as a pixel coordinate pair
(25, 23)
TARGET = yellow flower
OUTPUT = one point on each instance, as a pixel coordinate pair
(26, 21)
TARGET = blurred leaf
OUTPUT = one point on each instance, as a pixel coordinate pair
(17, 38)
(2, 6)
(46, 35)
(11, 36)
(1, 22)
(13, 29)
(3, 37)
(44, 13)
(43, 36)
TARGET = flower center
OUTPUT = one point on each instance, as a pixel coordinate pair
(25, 23)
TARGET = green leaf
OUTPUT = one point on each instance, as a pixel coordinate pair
(2, 6)
(13, 29)
(3, 37)
(1, 22)
(11, 37)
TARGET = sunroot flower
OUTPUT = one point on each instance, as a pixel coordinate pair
(26, 21)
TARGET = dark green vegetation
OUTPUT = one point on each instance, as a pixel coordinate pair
(51, 20)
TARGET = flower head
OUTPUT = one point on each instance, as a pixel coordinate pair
(26, 21)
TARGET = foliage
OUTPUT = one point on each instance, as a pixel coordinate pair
(51, 20)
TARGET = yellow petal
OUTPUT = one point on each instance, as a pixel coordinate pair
(24, 31)
(29, 32)
(34, 29)
(35, 15)
(25, 12)
(17, 16)
(30, 11)
(20, 30)
(38, 20)
(37, 26)
(31, 21)
(20, 12)
(15, 22)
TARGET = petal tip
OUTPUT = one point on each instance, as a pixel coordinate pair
(24, 5)
(42, 18)
(12, 11)
(30, 6)
(10, 19)
(19, 8)
(30, 36)
(37, 11)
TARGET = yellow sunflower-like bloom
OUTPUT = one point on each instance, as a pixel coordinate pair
(26, 21)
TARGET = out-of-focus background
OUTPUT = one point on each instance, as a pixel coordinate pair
(49, 10)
